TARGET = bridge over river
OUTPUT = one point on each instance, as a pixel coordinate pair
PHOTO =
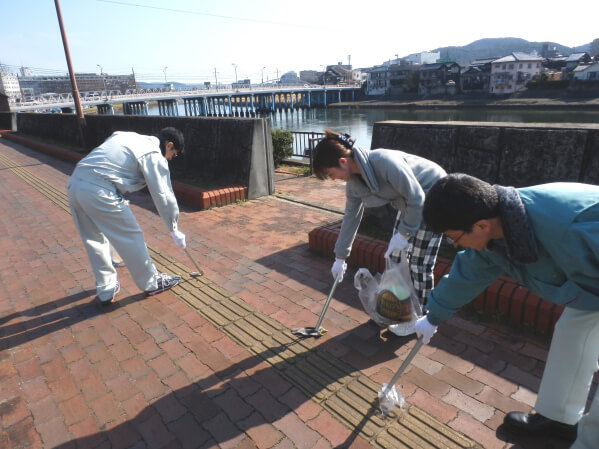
(211, 103)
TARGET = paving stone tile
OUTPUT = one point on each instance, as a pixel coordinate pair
(224, 431)
(14, 410)
(154, 432)
(474, 407)
(188, 432)
(330, 428)
(297, 431)
(74, 409)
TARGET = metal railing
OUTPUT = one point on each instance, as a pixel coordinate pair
(303, 144)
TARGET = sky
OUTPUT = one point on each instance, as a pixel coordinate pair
(189, 40)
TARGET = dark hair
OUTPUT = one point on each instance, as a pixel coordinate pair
(170, 134)
(457, 201)
(329, 150)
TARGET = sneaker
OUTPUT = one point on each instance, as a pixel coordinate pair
(165, 282)
(402, 329)
(118, 264)
(117, 288)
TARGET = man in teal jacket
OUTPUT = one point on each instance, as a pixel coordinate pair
(547, 238)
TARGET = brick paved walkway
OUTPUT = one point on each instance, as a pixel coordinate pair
(184, 369)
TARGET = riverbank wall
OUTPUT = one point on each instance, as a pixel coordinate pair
(219, 152)
(512, 154)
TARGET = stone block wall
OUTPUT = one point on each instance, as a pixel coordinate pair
(7, 120)
(514, 154)
(219, 151)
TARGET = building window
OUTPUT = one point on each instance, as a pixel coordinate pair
(511, 66)
(519, 66)
(529, 66)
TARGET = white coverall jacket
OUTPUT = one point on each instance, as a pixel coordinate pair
(125, 162)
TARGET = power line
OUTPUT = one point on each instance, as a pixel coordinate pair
(184, 11)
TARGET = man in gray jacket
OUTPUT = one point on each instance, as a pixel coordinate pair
(375, 178)
(125, 162)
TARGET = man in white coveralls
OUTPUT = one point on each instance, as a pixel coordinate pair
(125, 162)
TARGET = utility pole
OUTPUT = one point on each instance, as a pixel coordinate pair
(134, 80)
(263, 74)
(235, 65)
(103, 80)
(76, 99)
(165, 74)
(215, 79)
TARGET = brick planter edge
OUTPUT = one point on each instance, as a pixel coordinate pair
(504, 300)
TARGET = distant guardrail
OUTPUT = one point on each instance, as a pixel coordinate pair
(303, 144)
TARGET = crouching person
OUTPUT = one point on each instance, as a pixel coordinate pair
(547, 238)
(375, 178)
(125, 162)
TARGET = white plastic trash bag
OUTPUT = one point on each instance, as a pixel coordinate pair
(389, 298)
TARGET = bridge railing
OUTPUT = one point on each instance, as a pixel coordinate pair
(303, 145)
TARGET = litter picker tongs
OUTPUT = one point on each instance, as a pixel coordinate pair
(317, 330)
(389, 397)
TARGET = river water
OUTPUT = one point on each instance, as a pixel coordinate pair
(358, 122)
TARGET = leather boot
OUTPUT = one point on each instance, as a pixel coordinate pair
(535, 423)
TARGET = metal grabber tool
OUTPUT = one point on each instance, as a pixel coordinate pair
(389, 397)
(317, 330)
(194, 273)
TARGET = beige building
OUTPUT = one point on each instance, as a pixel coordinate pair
(511, 73)
(9, 85)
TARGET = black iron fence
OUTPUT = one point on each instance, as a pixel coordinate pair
(303, 144)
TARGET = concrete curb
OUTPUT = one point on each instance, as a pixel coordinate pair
(188, 194)
(504, 300)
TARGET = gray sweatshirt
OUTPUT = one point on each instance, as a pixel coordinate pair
(128, 162)
(386, 176)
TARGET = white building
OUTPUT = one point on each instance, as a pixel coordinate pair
(424, 57)
(9, 85)
(587, 72)
(511, 73)
(290, 78)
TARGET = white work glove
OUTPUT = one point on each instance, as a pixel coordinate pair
(396, 244)
(338, 269)
(179, 238)
(424, 329)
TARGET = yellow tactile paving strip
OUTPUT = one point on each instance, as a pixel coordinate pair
(344, 391)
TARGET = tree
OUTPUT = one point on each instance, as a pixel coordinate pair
(282, 143)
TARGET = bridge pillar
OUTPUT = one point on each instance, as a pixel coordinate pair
(105, 109)
(339, 96)
(167, 107)
(230, 106)
(135, 108)
(309, 99)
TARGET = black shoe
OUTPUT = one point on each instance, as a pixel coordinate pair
(535, 423)
(165, 282)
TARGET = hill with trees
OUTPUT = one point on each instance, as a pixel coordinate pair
(498, 47)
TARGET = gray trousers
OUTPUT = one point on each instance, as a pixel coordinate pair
(101, 217)
(571, 364)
